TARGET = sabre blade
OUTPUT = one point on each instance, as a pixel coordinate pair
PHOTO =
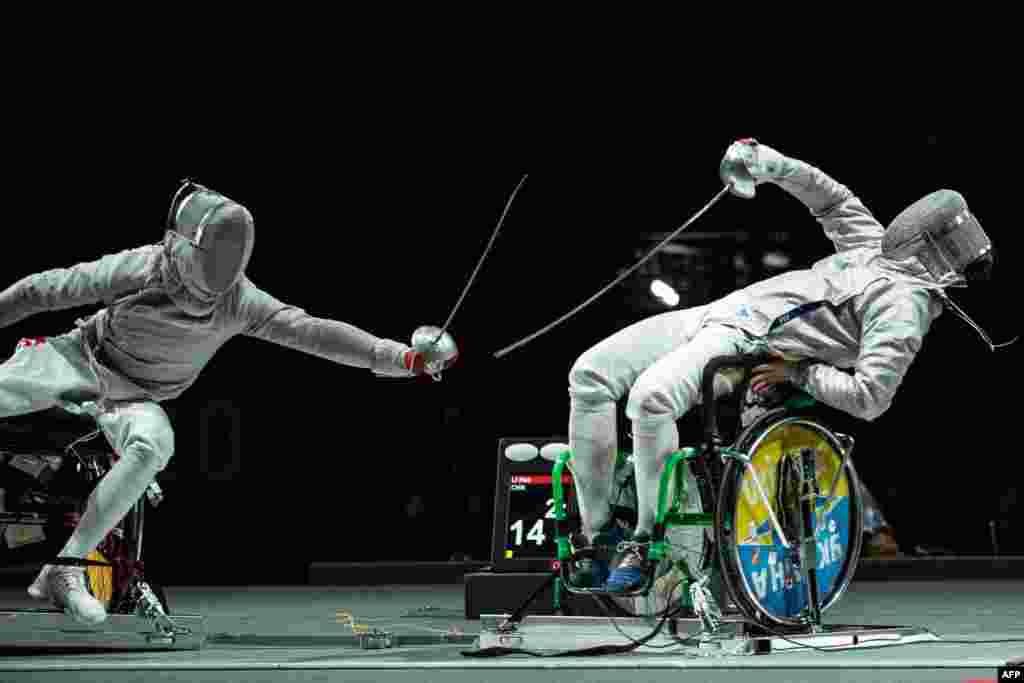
(483, 256)
(617, 280)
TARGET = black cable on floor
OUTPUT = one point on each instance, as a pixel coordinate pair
(599, 649)
(670, 613)
(642, 642)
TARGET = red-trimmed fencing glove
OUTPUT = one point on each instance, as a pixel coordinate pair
(421, 364)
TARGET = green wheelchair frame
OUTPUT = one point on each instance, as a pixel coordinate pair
(718, 469)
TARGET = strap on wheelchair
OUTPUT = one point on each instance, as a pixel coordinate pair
(79, 562)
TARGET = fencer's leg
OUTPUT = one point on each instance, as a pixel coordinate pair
(594, 445)
(666, 391)
(653, 441)
(142, 436)
(598, 379)
(37, 376)
(592, 439)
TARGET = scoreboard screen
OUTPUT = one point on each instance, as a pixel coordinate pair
(524, 507)
(530, 523)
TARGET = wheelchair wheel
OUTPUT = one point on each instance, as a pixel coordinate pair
(760, 573)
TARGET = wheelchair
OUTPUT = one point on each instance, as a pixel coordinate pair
(47, 487)
(780, 513)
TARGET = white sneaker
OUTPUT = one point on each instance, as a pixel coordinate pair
(65, 586)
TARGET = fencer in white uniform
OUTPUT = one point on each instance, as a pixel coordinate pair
(169, 308)
(845, 331)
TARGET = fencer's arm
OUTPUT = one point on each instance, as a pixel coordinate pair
(894, 323)
(86, 283)
(845, 219)
(269, 319)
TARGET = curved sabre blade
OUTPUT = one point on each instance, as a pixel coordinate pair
(483, 256)
(616, 281)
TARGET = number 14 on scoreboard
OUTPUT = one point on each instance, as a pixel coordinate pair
(536, 532)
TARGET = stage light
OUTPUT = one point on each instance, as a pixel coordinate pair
(776, 259)
(665, 293)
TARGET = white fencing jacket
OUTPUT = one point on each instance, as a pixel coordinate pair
(855, 319)
(154, 333)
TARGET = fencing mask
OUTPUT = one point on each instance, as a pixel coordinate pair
(944, 236)
(213, 238)
(948, 241)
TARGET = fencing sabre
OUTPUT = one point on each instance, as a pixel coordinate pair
(619, 279)
(430, 336)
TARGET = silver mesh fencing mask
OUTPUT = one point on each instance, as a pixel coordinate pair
(941, 232)
(947, 239)
(219, 233)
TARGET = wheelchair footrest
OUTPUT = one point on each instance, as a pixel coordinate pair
(51, 628)
(638, 593)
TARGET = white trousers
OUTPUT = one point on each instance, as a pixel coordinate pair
(657, 365)
(38, 377)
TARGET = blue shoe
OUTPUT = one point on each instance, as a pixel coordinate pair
(630, 566)
(592, 572)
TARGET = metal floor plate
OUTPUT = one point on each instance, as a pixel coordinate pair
(50, 628)
(563, 634)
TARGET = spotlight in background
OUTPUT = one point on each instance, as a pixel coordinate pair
(664, 293)
(778, 260)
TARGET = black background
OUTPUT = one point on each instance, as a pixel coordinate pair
(375, 195)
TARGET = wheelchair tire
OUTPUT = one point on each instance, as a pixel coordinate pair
(758, 571)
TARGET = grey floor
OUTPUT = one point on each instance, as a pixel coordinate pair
(293, 634)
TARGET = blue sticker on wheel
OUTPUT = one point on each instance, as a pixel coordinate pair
(772, 573)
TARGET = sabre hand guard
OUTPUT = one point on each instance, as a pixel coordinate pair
(432, 351)
(747, 163)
